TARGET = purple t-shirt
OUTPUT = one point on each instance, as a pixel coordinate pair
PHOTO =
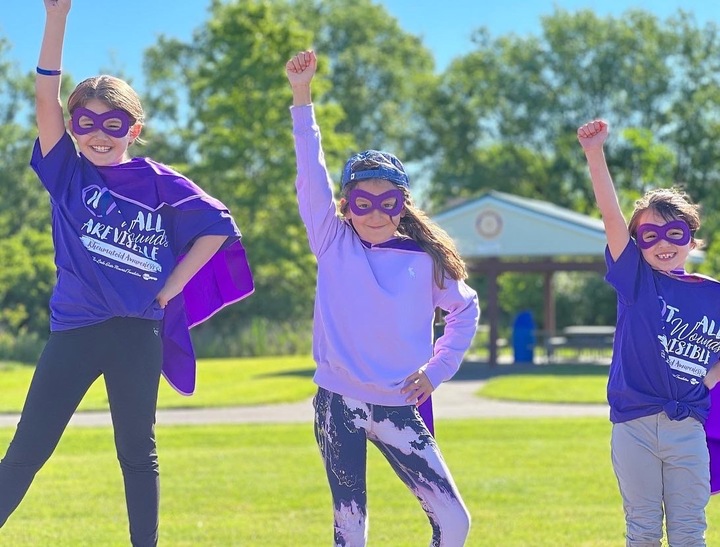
(119, 231)
(667, 337)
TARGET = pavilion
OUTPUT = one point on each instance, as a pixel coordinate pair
(499, 232)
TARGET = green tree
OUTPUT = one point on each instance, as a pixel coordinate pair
(506, 113)
(225, 99)
(379, 73)
(26, 253)
(505, 116)
(26, 281)
(24, 202)
(234, 139)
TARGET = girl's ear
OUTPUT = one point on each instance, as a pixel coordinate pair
(135, 131)
(343, 208)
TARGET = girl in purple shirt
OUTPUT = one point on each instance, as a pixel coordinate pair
(383, 269)
(141, 254)
(665, 355)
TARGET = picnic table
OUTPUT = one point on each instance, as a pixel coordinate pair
(585, 340)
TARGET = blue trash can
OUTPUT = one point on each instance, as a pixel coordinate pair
(523, 337)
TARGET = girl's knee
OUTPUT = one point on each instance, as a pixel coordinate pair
(136, 449)
(138, 461)
(458, 529)
(452, 527)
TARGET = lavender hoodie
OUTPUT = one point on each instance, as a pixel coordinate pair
(374, 304)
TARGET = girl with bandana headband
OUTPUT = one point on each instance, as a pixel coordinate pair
(664, 363)
(383, 269)
(142, 255)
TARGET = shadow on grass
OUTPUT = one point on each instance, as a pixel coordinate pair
(480, 370)
(296, 373)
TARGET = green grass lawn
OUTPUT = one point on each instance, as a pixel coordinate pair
(220, 382)
(540, 482)
(572, 383)
(536, 481)
(266, 380)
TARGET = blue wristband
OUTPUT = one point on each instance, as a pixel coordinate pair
(46, 72)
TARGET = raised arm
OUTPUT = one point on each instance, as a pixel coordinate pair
(300, 71)
(48, 108)
(592, 136)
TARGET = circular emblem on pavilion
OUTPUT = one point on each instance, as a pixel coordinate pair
(488, 224)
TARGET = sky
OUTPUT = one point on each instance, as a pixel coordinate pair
(102, 40)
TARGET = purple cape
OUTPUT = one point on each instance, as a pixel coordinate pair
(426, 413)
(712, 432)
(224, 279)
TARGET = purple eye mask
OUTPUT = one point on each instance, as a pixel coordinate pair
(661, 232)
(99, 121)
(376, 202)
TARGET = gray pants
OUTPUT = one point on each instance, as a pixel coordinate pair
(128, 353)
(662, 466)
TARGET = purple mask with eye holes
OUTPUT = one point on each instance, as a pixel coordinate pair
(680, 237)
(376, 202)
(100, 121)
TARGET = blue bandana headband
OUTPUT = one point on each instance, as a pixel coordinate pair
(385, 166)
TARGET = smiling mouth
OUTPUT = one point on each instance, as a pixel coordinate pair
(101, 149)
(665, 256)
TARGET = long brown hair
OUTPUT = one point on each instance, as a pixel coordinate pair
(435, 241)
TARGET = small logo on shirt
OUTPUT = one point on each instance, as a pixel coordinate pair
(99, 201)
(411, 271)
(156, 331)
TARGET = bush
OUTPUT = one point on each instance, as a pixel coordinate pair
(259, 337)
(24, 347)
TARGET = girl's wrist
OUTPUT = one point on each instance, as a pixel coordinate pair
(301, 95)
(594, 153)
(55, 15)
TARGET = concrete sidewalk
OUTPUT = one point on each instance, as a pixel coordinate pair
(453, 400)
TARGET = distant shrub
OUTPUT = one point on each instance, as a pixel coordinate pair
(24, 346)
(258, 337)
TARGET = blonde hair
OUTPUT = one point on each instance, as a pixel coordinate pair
(435, 241)
(670, 204)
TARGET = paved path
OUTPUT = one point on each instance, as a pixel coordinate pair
(454, 399)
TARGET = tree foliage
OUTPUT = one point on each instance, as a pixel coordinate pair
(237, 134)
(503, 116)
(379, 73)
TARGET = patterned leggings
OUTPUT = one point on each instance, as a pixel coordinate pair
(342, 428)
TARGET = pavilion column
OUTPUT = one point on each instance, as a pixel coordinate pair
(491, 267)
(493, 313)
(549, 298)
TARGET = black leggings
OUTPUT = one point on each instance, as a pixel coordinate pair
(128, 353)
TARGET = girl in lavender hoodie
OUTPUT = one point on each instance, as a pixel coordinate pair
(383, 269)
